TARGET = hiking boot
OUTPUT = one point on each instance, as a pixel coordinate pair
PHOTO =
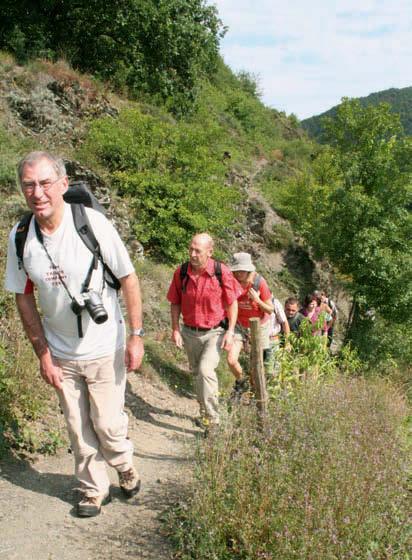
(129, 482)
(241, 386)
(201, 422)
(90, 506)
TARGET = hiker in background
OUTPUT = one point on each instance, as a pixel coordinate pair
(204, 291)
(279, 328)
(293, 316)
(333, 315)
(323, 305)
(255, 300)
(87, 365)
(313, 312)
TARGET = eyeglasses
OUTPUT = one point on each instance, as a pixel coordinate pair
(45, 185)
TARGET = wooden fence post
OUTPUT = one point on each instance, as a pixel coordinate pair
(257, 370)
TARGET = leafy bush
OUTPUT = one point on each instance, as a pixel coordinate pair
(326, 479)
(258, 124)
(385, 347)
(10, 148)
(250, 128)
(280, 238)
(173, 174)
(249, 83)
(297, 150)
(24, 396)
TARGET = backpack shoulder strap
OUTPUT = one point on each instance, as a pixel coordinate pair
(218, 271)
(183, 275)
(256, 282)
(85, 231)
(185, 278)
(21, 236)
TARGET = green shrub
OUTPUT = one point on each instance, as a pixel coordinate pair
(298, 149)
(24, 396)
(384, 347)
(173, 174)
(10, 150)
(280, 238)
(326, 479)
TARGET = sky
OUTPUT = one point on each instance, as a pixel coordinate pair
(308, 55)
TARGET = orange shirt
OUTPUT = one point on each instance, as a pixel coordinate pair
(249, 308)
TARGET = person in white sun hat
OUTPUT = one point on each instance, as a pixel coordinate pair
(255, 300)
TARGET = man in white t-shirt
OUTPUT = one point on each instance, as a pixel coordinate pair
(84, 361)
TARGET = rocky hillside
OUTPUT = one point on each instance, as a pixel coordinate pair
(49, 106)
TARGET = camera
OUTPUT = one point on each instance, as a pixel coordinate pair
(91, 301)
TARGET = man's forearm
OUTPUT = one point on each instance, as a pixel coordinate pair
(51, 373)
(231, 312)
(30, 317)
(286, 328)
(133, 300)
(175, 310)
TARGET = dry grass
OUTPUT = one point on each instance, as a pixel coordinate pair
(325, 480)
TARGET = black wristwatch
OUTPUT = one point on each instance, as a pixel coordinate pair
(137, 332)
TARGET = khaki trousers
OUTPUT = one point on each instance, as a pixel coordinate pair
(92, 400)
(203, 351)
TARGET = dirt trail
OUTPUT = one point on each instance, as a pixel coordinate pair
(36, 500)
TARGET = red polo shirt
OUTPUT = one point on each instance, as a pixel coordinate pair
(204, 300)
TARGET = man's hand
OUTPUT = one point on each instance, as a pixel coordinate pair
(134, 353)
(227, 340)
(177, 338)
(51, 372)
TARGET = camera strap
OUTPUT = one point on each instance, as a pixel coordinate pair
(56, 269)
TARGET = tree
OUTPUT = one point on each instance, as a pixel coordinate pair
(249, 83)
(371, 238)
(355, 208)
(172, 174)
(159, 47)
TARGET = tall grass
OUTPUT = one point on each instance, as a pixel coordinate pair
(326, 479)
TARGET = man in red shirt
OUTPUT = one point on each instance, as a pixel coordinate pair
(203, 300)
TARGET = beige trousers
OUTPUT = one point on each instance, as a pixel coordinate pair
(92, 400)
(203, 351)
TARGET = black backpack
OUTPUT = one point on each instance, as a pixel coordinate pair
(218, 273)
(185, 278)
(78, 196)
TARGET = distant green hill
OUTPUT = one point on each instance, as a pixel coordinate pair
(399, 99)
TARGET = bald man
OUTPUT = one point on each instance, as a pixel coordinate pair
(203, 299)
